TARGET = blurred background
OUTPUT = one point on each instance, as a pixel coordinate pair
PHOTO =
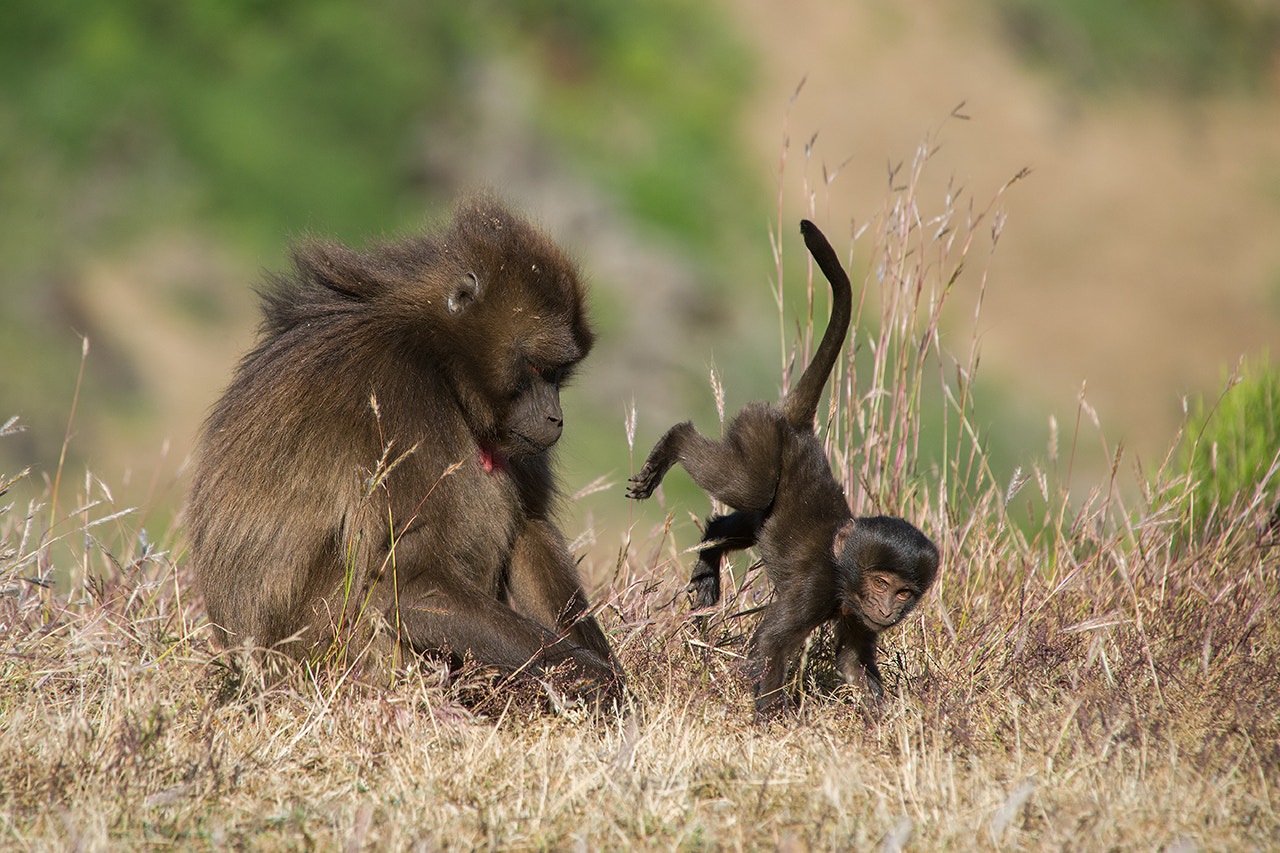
(156, 157)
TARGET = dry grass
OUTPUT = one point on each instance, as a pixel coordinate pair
(1092, 678)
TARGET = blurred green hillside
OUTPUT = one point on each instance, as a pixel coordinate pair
(228, 128)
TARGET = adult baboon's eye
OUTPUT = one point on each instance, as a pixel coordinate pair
(548, 373)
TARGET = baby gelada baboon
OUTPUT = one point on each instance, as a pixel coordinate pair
(380, 465)
(867, 573)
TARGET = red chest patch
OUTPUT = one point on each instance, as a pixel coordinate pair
(493, 460)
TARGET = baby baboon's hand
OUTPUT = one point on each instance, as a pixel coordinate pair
(643, 484)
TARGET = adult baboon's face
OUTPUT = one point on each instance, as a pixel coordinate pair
(514, 333)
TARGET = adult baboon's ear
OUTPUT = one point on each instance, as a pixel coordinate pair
(841, 537)
(465, 291)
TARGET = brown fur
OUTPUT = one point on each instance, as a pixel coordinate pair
(824, 564)
(314, 509)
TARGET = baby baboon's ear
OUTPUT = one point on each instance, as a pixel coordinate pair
(842, 537)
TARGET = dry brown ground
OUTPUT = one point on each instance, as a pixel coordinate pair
(1141, 257)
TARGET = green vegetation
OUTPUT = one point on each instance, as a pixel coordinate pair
(647, 97)
(1231, 452)
(1182, 46)
(297, 115)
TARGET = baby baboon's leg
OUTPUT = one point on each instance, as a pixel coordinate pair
(742, 470)
(732, 532)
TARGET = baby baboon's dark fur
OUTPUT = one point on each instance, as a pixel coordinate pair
(824, 564)
(315, 508)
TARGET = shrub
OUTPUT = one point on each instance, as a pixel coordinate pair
(1232, 447)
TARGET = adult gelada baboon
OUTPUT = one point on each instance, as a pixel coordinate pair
(867, 573)
(382, 456)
